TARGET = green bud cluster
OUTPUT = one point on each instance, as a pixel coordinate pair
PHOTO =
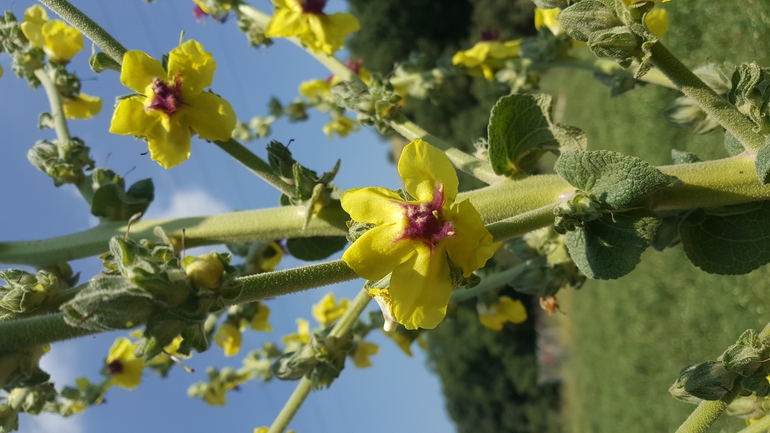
(25, 58)
(742, 365)
(322, 360)
(575, 212)
(685, 110)
(417, 78)
(64, 163)
(375, 104)
(22, 368)
(254, 32)
(25, 292)
(111, 201)
(749, 93)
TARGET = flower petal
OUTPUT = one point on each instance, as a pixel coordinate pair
(373, 205)
(209, 115)
(196, 66)
(472, 245)
(376, 253)
(34, 18)
(139, 70)
(82, 107)
(287, 22)
(331, 30)
(420, 288)
(62, 42)
(130, 118)
(170, 142)
(423, 167)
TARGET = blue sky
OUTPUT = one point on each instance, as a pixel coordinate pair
(397, 394)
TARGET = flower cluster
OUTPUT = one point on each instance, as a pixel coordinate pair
(171, 104)
(305, 19)
(488, 55)
(414, 239)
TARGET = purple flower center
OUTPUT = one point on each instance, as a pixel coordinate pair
(426, 221)
(490, 35)
(313, 6)
(168, 97)
(115, 367)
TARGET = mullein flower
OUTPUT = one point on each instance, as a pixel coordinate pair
(362, 353)
(228, 337)
(488, 55)
(124, 368)
(82, 106)
(172, 104)
(260, 321)
(547, 18)
(340, 125)
(59, 41)
(504, 310)
(305, 19)
(414, 239)
(327, 310)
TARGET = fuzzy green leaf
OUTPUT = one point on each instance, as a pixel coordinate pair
(610, 178)
(731, 240)
(520, 131)
(611, 246)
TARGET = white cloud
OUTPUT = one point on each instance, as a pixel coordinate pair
(59, 362)
(50, 423)
(188, 203)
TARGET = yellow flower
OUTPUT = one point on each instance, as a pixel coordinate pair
(170, 350)
(306, 20)
(412, 239)
(327, 310)
(228, 337)
(125, 369)
(59, 41)
(205, 271)
(486, 57)
(657, 21)
(340, 125)
(316, 90)
(270, 257)
(260, 321)
(547, 17)
(363, 351)
(172, 105)
(504, 310)
(301, 337)
(82, 106)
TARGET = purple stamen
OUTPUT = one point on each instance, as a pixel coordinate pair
(490, 35)
(168, 98)
(426, 222)
(313, 6)
(115, 367)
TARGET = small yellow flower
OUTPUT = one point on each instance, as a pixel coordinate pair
(327, 310)
(316, 90)
(340, 125)
(260, 321)
(363, 351)
(59, 41)
(412, 239)
(270, 257)
(547, 18)
(657, 21)
(487, 57)
(205, 271)
(172, 105)
(301, 337)
(82, 106)
(504, 310)
(228, 337)
(306, 20)
(170, 350)
(124, 367)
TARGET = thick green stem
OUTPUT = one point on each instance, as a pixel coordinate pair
(604, 66)
(57, 111)
(522, 223)
(714, 105)
(20, 334)
(247, 226)
(761, 426)
(707, 413)
(256, 164)
(88, 27)
(304, 386)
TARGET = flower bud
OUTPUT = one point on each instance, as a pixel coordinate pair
(205, 271)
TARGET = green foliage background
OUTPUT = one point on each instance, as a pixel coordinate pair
(628, 338)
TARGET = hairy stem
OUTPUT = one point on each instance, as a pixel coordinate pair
(57, 111)
(707, 413)
(88, 27)
(20, 334)
(255, 164)
(714, 105)
(491, 282)
(343, 325)
(604, 66)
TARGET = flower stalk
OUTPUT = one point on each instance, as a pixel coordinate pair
(255, 164)
(304, 386)
(712, 104)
